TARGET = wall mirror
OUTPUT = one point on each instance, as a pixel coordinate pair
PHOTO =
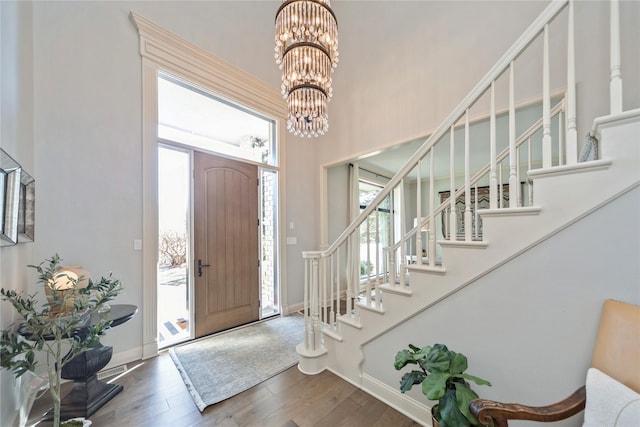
(26, 208)
(10, 172)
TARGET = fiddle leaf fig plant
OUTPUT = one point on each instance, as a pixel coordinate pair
(59, 328)
(442, 376)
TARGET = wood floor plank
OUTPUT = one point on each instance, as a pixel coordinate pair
(156, 396)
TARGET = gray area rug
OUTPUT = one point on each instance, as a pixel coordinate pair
(226, 364)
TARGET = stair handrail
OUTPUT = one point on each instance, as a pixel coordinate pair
(524, 136)
(532, 32)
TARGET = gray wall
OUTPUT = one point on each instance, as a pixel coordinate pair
(404, 65)
(529, 327)
(16, 138)
(71, 107)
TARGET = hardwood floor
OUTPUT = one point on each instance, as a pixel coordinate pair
(155, 395)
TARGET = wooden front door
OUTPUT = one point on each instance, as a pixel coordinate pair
(225, 243)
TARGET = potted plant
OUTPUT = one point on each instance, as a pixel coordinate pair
(443, 378)
(53, 327)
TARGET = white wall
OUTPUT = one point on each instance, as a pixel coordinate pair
(529, 327)
(405, 65)
(78, 127)
(16, 138)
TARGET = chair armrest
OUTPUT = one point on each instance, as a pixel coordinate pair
(488, 411)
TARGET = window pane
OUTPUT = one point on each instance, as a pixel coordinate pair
(375, 231)
(191, 116)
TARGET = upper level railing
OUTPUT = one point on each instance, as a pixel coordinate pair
(500, 183)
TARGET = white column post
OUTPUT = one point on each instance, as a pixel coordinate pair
(572, 132)
(616, 69)
(453, 223)
(307, 320)
(546, 103)
(419, 214)
(513, 183)
(467, 185)
(493, 178)
(432, 202)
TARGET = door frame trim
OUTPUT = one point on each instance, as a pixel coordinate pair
(162, 50)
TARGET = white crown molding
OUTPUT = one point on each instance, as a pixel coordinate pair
(169, 50)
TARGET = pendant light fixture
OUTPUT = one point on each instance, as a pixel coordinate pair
(306, 49)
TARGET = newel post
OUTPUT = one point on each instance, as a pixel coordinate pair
(311, 351)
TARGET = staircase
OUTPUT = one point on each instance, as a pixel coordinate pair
(470, 241)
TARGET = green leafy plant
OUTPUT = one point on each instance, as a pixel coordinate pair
(58, 328)
(443, 378)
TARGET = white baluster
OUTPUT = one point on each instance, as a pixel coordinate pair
(338, 291)
(453, 221)
(529, 182)
(377, 278)
(561, 159)
(572, 132)
(493, 179)
(385, 261)
(616, 69)
(476, 229)
(403, 241)
(467, 184)
(419, 214)
(307, 320)
(432, 202)
(546, 102)
(315, 321)
(368, 263)
(513, 183)
(500, 189)
(518, 193)
(332, 313)
(354, 268)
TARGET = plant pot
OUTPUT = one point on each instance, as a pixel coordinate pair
(434, 421)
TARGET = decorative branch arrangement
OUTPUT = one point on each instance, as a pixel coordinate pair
(59, 327)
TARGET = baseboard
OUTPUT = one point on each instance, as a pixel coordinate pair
(299, 306)
(150, 349)
(292, 308)
(124, 357)
(417, 411)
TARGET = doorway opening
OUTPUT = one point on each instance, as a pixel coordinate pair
(191, 122)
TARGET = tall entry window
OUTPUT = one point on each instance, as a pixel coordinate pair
(193, 123)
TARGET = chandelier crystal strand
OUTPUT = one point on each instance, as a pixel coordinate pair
(306, 50)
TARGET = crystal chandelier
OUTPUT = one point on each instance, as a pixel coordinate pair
(307, 52)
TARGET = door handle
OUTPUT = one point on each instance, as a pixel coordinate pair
(200, 265)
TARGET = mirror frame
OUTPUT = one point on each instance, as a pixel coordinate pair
(10, 172)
